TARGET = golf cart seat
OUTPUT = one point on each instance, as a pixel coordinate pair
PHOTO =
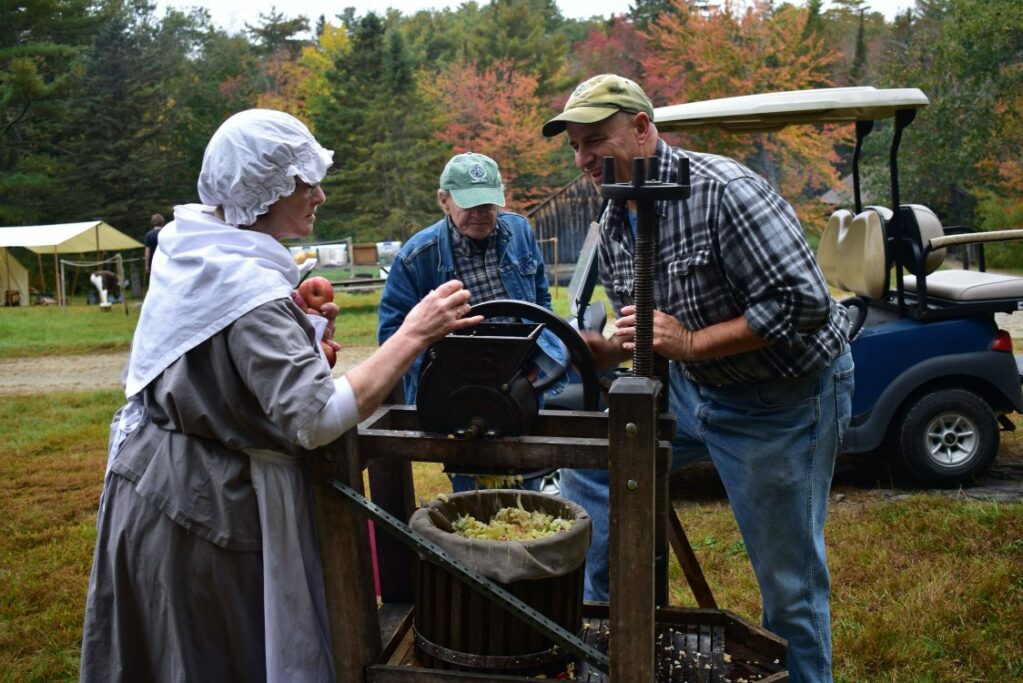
(957, 284)
(852, 252)
(827, 252)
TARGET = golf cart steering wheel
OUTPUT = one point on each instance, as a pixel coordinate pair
(857, 308)
(579, 354)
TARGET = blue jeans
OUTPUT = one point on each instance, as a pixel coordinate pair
(773, 445)
(463, 482)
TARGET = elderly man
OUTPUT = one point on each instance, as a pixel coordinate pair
(760, 370)
(493, 253)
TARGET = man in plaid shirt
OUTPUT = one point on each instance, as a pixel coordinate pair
(760, 376)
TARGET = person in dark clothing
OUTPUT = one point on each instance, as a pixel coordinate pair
(151, 239)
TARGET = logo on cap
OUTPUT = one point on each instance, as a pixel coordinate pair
(477, 173)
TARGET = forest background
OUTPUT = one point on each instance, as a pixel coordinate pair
(105, 107)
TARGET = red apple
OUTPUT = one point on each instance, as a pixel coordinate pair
(329, 353)
(316, 291)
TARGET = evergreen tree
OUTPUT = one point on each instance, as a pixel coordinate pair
(644, 12)
(859, 65)
(813, 25)
(121, 152)
(275, 32)
(40, 41)
(386, 160)
(519, 32)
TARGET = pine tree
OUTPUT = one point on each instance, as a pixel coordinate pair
(859, 65)
(386, 162)
(40, 42)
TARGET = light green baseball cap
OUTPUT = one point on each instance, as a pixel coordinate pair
(473, 179)
(597, 98)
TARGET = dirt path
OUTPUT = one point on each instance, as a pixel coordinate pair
(100, 371)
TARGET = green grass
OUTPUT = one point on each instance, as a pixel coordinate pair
(51, 330)
(79, 329)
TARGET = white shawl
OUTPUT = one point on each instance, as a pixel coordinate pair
(205, 275)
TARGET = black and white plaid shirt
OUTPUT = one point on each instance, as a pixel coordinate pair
(735, 247)
(476, 265)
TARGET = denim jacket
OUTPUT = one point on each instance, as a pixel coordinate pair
(426, 261)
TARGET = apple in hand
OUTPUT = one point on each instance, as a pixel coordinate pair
(329, 353)
(316, 291)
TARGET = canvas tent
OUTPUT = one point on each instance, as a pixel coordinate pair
(67, 238)
(13, 280)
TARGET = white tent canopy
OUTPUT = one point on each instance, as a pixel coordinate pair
(68, 238)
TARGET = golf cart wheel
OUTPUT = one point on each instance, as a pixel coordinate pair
(948, 437)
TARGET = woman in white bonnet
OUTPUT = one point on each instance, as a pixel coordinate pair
(206, 567)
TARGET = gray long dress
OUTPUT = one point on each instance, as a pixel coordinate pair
(176, 587)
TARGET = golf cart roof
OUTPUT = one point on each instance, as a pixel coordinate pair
(769, 112)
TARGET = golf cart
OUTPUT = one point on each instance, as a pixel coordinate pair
(935, 377)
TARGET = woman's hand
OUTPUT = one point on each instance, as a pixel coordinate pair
(328, 310)
(438, 314)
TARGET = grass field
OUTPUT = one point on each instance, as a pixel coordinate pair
(926, 587)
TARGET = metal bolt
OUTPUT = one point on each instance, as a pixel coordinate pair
(632, 484)
(505, 388)
(631, 429)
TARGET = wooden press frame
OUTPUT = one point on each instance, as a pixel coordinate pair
(631, 440)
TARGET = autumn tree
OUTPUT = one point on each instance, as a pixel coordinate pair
(616, 47)
(726, 52)
(495, 111)
(967, 57)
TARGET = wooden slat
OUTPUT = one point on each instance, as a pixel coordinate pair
(390, 485)
(405, 674)
(395, 619)
(344, 551)
(687, 559)
(633, 442)
(529, 452)
(571, 423)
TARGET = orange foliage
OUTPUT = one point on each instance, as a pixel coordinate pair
(282, 85)
(496, 111)
(724, 52)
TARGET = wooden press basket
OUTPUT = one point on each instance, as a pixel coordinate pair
(456, 627)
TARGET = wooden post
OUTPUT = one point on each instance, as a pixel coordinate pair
(120, 281)
(345, 555)
(632, 434)
(390, 485)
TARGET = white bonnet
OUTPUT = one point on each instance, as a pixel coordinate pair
(252, 160)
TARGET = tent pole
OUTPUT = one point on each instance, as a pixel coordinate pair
(120, 282)
(58, 278)
(42, 278)
(7, 273)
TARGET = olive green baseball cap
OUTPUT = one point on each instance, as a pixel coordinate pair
(597, 98)
(473, 179)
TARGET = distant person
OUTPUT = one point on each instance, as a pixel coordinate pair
(493, 252)
(107, 286)
(151, 239)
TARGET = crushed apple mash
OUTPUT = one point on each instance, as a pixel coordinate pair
(512, 524)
